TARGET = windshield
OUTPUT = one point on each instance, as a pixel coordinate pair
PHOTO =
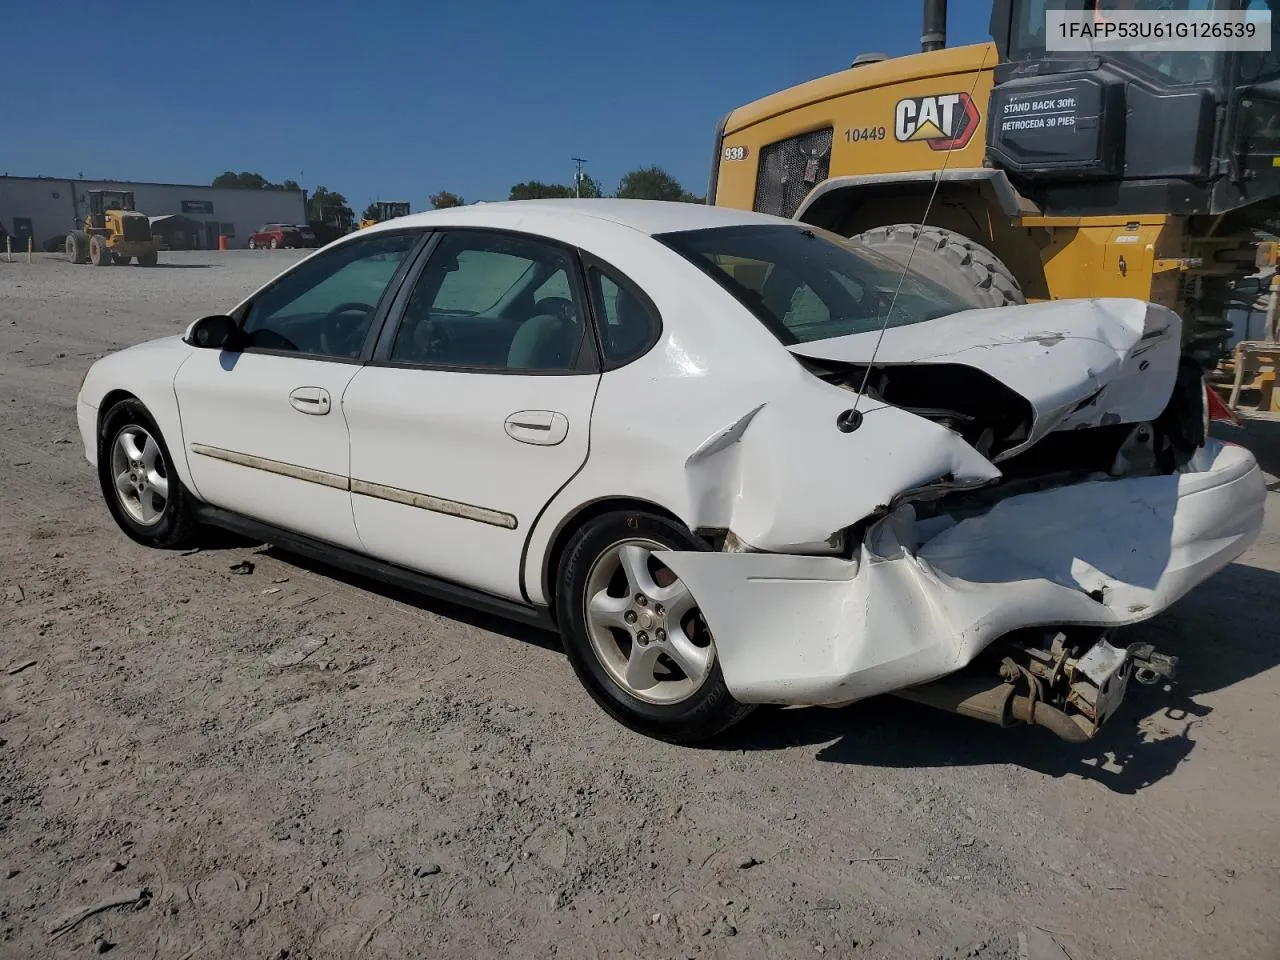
(806, 284)
(1027, 39)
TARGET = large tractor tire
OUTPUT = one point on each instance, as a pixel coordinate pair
(149, 259)
(77, 246)
(100, 251)
(950, 260)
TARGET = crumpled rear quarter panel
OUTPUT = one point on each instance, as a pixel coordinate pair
(821, 630)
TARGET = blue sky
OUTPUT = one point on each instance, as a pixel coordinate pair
(400, 99)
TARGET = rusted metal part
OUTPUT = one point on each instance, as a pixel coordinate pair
(970, 696)
(1070, 686)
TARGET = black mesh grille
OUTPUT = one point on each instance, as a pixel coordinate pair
(136, 228)
(789, 169)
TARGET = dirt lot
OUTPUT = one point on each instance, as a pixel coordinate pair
(292, 763)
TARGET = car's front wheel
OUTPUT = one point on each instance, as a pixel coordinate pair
(634, 633)
(143, 492)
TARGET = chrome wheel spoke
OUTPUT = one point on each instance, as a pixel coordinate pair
(695, 661)
(124, 485)
(640, 667)
(150, 451)
(635, 564)
(147, 507)
(129, 446)
(608, 611)
(159, 484)
(676, 598)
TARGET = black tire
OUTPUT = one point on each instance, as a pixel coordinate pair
(77, 246)
(951, 260)
(100, 251)
(274, 243)
(708, 711)
(148, 259)
(121, 260)
(252, 245)
(176, 526)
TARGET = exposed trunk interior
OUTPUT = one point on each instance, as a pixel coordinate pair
(993, 418)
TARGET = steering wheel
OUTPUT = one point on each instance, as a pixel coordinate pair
(344, 338)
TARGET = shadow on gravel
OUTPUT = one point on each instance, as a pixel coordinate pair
(184, 266)
(1222, 635)
(441, 608)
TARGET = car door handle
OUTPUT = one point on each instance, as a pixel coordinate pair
(312, 400)
(545, 428)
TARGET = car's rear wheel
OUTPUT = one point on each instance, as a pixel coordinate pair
(274, 243)
(634, 633)
(251, 243)
(144, 494)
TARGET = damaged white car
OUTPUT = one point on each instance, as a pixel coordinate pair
(732, 459)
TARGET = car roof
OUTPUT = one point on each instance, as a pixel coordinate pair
(647, 216)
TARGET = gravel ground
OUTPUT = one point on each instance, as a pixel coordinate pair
(299, 764)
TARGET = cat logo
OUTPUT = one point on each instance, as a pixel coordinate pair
(945, 121)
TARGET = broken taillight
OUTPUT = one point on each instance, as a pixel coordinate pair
(1216, 408)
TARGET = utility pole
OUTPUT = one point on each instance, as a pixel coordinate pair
(577, 177)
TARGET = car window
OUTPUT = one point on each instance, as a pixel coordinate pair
(627, 326)
(482, 279)
(492, 301)
(806, 284)
(325, 306)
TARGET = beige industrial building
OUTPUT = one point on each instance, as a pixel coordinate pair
(45, 208)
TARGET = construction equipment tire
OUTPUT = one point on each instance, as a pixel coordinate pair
(77, 246)
(949, 259)
(148, 259)
(100, 251)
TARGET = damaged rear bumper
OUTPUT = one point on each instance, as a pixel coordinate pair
(921, 600)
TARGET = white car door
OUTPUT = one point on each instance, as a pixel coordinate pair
(262, 423)
(475, 410)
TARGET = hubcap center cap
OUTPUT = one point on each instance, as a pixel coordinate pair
(646, 620)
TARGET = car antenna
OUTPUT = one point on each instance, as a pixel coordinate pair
(850, 420)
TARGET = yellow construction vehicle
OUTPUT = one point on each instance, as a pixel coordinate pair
(113, 232)
(1045, 175)
(387, 210)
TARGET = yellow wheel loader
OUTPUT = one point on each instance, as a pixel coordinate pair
(1045, 175)
(387, 210)
(113, 232)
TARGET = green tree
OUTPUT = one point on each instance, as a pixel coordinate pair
(536, 190)
(330, 207)
(653, 183)
(242, 181)
(370, 212)
(446, 199)
(251, 181)
(590, 187)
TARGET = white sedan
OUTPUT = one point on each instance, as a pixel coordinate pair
(732, 459)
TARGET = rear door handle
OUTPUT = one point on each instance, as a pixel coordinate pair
(312, 400)
(544, 428)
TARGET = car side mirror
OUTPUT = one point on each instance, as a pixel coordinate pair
(217, 332)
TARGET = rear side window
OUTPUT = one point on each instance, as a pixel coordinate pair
(629, 325)
(806, 284)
